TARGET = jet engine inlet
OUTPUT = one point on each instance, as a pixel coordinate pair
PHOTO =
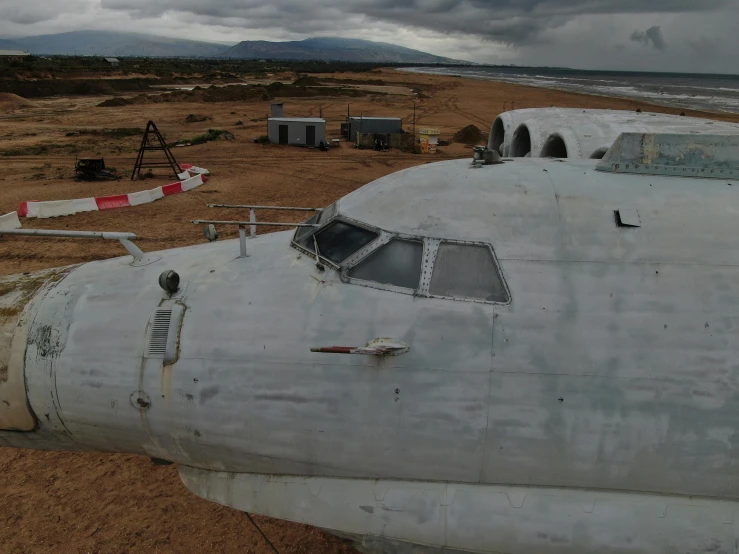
(521, 143)
(497, 136)
(599, 153)
(554, 147)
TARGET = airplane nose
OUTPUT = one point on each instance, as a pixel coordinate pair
(19, 297)
(110, 355)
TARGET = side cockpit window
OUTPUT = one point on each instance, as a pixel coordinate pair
(336, 240)
(398, 263)
(467, 271)
(304, 235)
(339, 240)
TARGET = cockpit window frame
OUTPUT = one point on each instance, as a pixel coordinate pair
(384, 238)
(430, 250)
(496, 265)
(325, 222)
(324, 217)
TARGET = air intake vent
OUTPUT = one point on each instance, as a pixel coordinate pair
(156, 347)
(163, 333)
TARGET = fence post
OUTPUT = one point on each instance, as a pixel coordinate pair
(242, 241)
(253, 219)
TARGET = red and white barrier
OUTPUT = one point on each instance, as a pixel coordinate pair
(10, 221)
(192, 178)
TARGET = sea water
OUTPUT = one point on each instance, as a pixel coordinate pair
(708, 92)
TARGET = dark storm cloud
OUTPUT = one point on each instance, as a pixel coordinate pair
(652, 36)
(33, 11)
(510, 21)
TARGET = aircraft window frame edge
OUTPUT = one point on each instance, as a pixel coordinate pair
(332, 210)
(431, 248)
(496, 264)
(362, 253)
(384, 239)
(343, 219)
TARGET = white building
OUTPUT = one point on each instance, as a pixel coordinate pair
(298, 131)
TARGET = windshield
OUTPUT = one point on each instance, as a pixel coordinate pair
(397, 263)
(339, 240)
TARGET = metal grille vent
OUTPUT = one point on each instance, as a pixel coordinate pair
(156, 346)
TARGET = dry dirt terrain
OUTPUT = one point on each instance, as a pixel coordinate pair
(60, 502)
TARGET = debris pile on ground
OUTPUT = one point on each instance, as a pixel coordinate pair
(232, 93)
(307, 81)
(209, 136)
(197, 118)
(293, 91)
(237, 93)
(118, 132)
(93, 169)
(114, 102)
(10, 102)
(469, 135)
(355, 82)
(40, 88)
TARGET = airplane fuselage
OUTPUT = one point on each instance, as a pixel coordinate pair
(590, 407)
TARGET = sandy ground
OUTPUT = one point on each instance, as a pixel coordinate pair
(116, 503)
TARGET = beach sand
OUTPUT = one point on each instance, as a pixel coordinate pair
(80, 502)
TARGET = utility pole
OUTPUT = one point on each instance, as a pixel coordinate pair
(414, 126)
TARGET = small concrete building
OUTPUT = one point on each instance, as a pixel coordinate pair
(114, 62)
(374, 126)
(7, 56)
(298, 131)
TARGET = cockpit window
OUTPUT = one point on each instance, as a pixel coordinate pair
(339, 240)
(467, 271)
(303, 234)
(398, 263)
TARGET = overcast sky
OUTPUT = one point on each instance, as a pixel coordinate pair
(669, 35)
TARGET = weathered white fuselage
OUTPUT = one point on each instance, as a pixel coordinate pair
(594, 412)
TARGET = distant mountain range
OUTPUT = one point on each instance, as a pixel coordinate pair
(109, 43)
(332, 49)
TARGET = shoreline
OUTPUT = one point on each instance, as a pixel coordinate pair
(650, 102)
